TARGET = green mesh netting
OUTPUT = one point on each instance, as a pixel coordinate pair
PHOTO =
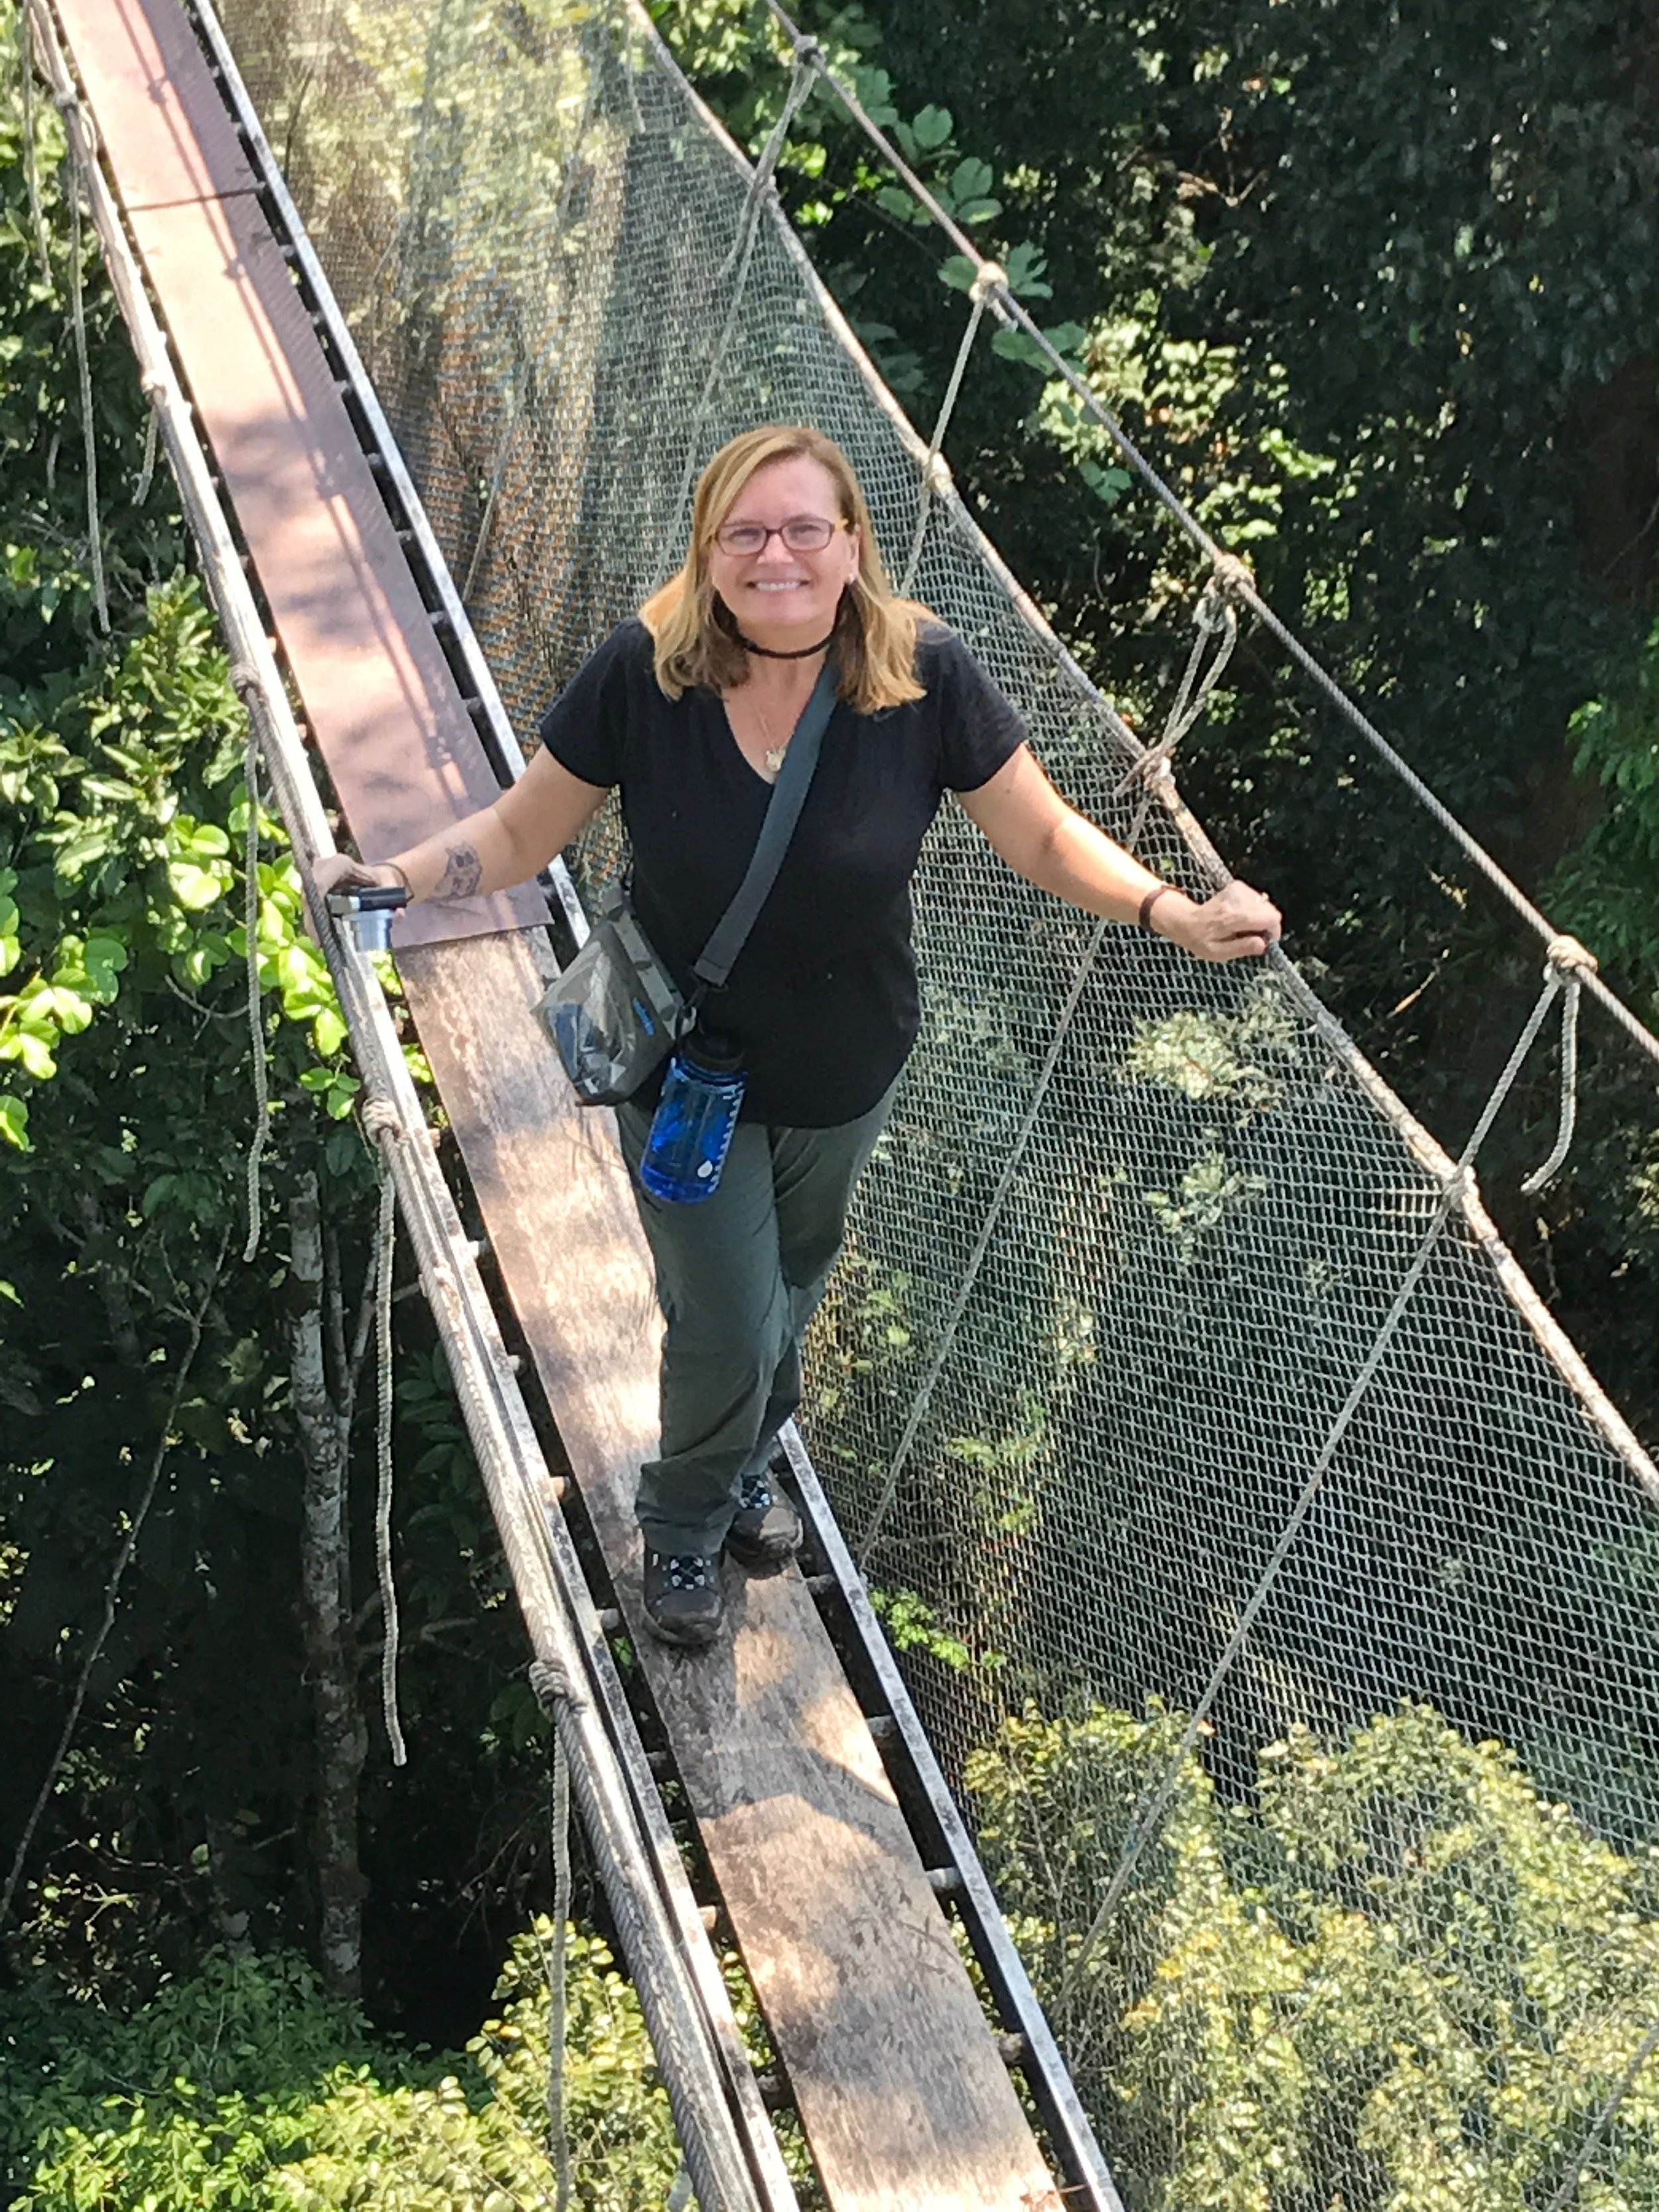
(1113, 1270)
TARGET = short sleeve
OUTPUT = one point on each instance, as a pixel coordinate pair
(586, 728)
(978, 730)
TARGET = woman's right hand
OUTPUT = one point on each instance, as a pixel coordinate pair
(339, 871)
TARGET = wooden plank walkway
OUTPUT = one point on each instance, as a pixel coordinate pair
(904, 2099)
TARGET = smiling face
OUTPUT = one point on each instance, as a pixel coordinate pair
(778, 597)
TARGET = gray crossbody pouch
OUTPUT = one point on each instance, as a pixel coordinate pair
(615, 1012)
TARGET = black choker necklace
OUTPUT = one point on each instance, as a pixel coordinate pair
(771, 653)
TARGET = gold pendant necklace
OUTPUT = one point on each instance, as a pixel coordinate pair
(772, 760)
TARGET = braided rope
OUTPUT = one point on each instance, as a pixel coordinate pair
(1603, 2120)
(1568, 959)
(740, 256)
(31, 165)
(147, 472)
(88, 425)
(942, 1350)
(558, 1992)
(554, 1692)
(1149, 1812)
(256, 1024)
(385, 1252)
(934, 472)
(1214, 615)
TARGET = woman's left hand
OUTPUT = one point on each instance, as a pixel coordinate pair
(1234, 924)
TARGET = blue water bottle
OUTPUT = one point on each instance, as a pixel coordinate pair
(696, 1117)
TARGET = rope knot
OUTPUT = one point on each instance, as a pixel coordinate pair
(990, 276)
(244, 677)
(1566, 957)
(1231, 576)
(551, 1684)
(809, 54)
(381, 1118)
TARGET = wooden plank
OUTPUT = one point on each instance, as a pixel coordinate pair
(165, 129)
(904, 2099)
(380, 697)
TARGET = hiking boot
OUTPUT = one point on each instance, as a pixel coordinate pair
(765, 1529)
(683, 1599)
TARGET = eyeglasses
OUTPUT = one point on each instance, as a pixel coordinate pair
(802, 534)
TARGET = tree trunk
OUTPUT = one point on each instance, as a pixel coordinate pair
(326, 1586)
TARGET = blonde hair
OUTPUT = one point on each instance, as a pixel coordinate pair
(694, 631)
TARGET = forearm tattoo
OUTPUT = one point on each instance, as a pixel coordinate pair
(462, 874)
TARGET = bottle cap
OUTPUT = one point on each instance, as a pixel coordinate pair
(709, 1050)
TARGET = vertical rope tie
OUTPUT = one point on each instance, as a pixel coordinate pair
(31, 168)
(808, 62)
(382, 1125)
(525, 383)
(1569, 960)
(88, 425)
(553, 1691)
(1144, 1821)
(953, 1319)
(256, 1021)
(1603, 2120)
(989, 278)
(1216, 616)
(147, 472)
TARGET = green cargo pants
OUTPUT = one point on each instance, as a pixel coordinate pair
(739, 1277)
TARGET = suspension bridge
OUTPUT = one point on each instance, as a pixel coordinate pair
(507, 286)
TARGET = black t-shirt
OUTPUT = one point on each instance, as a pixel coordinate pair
(823, 997)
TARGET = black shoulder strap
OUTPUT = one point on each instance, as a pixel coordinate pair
(782, 812)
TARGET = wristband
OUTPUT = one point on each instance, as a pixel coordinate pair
(1150, 900)
(402, 875)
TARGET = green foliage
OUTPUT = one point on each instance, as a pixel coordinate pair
(1400, 1981)
(244, 2086)
(126, 1109)
(1608, 888)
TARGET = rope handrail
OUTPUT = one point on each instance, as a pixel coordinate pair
(1014, 316)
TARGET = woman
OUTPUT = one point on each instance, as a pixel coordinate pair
(688, 710)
